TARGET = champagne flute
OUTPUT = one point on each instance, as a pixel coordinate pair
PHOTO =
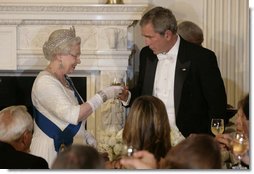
(118, 81)
(239, 146)
(217, 126)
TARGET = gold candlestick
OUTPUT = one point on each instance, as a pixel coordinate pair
(114, 2)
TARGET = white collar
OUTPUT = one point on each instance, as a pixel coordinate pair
(172, 53)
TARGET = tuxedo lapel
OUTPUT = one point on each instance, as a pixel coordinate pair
(181, 71)
(150, 72)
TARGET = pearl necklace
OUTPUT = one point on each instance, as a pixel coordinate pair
(62, 80)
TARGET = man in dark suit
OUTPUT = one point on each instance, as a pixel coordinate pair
(183, 75)
(16, 127)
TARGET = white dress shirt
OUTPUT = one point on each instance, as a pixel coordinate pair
(164, 87)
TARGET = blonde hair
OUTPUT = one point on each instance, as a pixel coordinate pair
(14, 121)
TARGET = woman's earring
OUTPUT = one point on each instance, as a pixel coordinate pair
(61, 64)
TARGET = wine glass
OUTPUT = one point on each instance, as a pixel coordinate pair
(118, 81)
(128, 151)
(217, 126)
(239, 146)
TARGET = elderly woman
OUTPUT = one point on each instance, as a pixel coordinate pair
(60, 112)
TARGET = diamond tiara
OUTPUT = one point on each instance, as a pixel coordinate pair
(56, 39)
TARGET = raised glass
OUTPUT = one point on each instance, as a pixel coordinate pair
(239, 146)
(217, 126)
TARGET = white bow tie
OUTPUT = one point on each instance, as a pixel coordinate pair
(165, 56)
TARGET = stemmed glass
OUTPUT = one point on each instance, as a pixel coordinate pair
(117, 82)
(127, 151)
(217, 126)
(239, 146)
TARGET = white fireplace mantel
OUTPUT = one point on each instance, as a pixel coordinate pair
(103, 29)
(72, 11)
(106, 42)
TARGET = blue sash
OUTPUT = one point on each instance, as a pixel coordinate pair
(60, 137)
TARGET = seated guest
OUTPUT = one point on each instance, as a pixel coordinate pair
(147, 127)
(198, 151)
(79, 157)
(16, 129)
(241, 125)
(191, 32)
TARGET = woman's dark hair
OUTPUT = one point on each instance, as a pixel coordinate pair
(244, 104)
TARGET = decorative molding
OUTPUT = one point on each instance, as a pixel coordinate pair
(65, 11)
(66, 7)
(64, 22)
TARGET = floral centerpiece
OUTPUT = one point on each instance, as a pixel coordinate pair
(111, 142)
(110, 134)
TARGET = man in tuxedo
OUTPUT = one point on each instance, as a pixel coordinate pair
(183, 75)
(16, 128)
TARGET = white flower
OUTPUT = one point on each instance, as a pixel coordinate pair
(119, 135)
(118, 149)
(112, 141)
(175, 136)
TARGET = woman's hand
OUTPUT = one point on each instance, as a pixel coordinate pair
(110, 92)
(224, 140)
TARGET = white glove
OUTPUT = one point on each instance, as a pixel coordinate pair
(95, 101)
(90, 140)
(110, 92)
(103, 95)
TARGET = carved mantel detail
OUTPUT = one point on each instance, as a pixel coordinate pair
(65, 11)
(103, 29)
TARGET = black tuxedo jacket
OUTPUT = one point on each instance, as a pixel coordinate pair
(199, 92)
(12, 159)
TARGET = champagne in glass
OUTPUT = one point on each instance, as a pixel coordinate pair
(239, 147)
(118, 81)
(217, 126)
